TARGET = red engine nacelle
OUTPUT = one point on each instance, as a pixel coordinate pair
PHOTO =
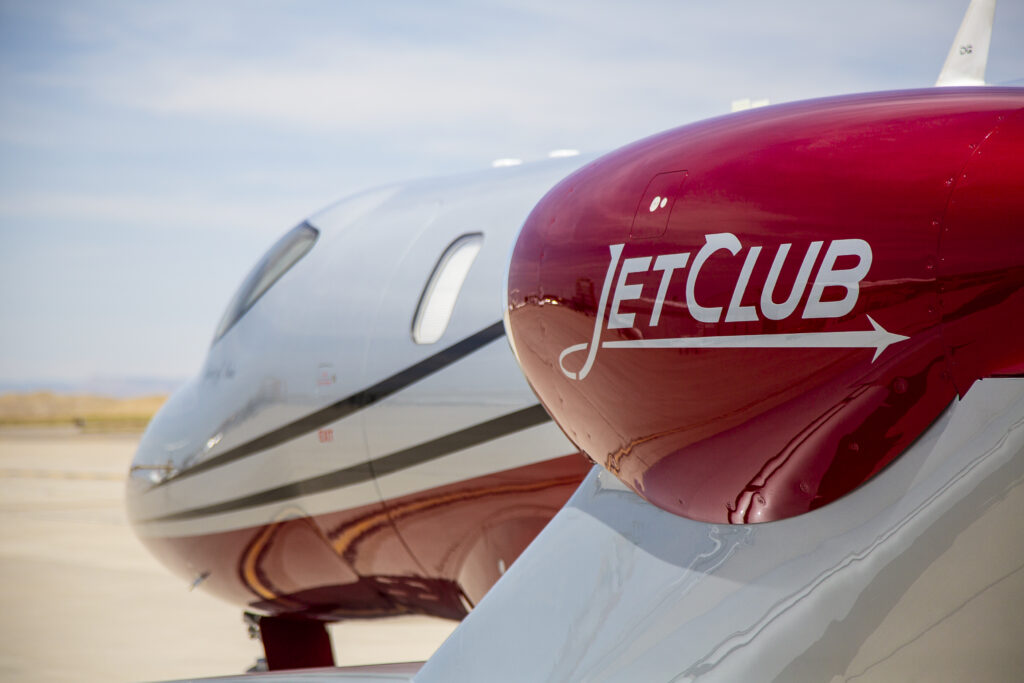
(747, 318)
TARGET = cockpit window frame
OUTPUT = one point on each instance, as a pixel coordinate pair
(277, 261)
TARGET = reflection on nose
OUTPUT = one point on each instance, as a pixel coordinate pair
(171, 439)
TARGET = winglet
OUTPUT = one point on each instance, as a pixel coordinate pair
(965, 64)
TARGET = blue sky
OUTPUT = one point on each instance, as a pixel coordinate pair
(151, 151)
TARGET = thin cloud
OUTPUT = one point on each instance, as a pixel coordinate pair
(179, 212)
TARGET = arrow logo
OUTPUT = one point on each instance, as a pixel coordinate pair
(877, 338)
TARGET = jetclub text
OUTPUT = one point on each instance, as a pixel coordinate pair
(847, 279)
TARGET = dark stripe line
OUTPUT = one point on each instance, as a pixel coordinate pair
(386, 464)
(349, 405)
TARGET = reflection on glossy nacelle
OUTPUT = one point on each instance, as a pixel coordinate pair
(905, 289)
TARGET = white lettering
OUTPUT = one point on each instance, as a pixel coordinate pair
(667, 263)
(849, 279)
(738, 313)
(877, 337)
(772, 310)
(720, 240)
(624, 292)
(614, 250)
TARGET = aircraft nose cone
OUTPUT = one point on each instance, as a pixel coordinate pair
(172, 440)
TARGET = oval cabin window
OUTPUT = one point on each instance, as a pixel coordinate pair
(437, 303)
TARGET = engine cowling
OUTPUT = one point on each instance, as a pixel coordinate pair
(746, 318)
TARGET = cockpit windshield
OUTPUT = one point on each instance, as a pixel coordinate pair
(285, 253)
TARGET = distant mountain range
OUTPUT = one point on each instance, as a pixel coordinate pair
(116, 387)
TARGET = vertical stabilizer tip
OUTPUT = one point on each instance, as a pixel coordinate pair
(965, 63)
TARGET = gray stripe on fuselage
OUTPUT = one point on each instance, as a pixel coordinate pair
(349, 404)
(386, 464)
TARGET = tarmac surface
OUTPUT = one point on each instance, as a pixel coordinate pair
(82, 600)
